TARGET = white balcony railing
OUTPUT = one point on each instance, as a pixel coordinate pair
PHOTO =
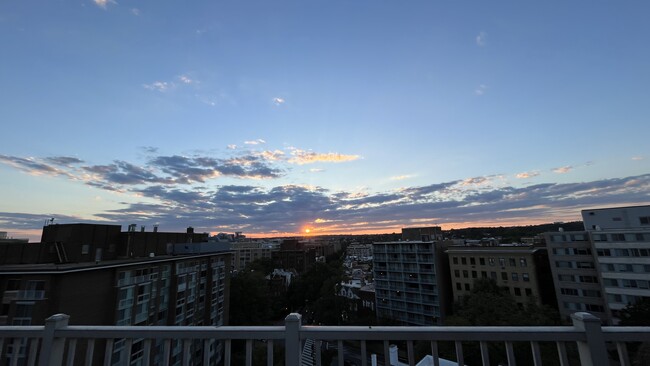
(56, 342)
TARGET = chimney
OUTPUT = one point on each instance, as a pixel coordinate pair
(155, 228)
(142, 229)
(190, 230)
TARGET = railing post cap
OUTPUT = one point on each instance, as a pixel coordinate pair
(58, 318)
(585, 317)
(293, 317)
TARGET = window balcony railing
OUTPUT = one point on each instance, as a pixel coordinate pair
(57, 343)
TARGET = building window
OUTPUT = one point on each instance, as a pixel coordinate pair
(467, 287)
(493, 275)
(512, 262)
(474, 274)
(524, 276)
(458, 286)
(529, 292)
(13, 285)
(504, 276)
(483, 274)
(455, 259)
(491, 260)
(618, 237)
(644, 220)
(472, 260)
(456, 273)
(515, 276)
(517, 291)
(85, 249)
(463, 260)
(502, 262)
(465, 274)
(481, 261)
(523, 262)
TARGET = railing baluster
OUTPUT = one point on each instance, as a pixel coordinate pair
(409, 351)
(167, 349)
(108, 352)
(434, 353)
(33, 351)
(340, 353)
(187, 354)
(386, 353)
(269, 352)
(90, 351)
(537, 356)
(128, 346)
(227, 352)
(2, 343)
(623, 357)
(485, 354)
(319, 347)
(72, 349)
(511, 354)
(561, 352)
(364, 354)
(15, 351)
(146, 349)
(249, 352)
(206, 352)
(459, 352)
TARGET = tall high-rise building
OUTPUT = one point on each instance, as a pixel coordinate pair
(411, 281)
(606, 267)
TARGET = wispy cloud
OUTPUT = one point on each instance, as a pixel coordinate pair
(301, 157)
(135, 11)
(316, 170)
(104, 3)
(231, 147)
(481, 89)
(563, 170)
(278, 101)
(186, 79)
(161, 86)
(255, 142)
(526, 175)
(401, 177)
(481, 39)
(637, 158)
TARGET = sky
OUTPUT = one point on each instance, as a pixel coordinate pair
(274, 117)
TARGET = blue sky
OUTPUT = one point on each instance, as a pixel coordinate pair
(338, 116)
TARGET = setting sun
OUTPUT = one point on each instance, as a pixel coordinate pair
(307, 231)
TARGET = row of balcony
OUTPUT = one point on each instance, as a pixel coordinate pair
(56, 343)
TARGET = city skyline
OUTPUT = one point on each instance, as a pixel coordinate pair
(275, 118)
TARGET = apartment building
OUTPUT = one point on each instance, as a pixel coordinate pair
(411, 281)
(522, 270)
(188, 287)
(606, 267)
(247, 252)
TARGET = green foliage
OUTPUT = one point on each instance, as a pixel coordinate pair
(490, 305)
(314, 293)
(636, 314)
(263, 265)
(249, 299)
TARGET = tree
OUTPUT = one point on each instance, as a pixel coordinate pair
(637, 315)
(249, 295)
(490, 305)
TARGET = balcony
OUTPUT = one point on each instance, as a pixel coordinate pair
(57, 343)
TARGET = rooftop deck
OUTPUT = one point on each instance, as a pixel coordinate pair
(57, 343)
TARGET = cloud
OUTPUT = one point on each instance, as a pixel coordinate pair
(481, 39)
(278, 101)
(274, 155)
(186, 80)
(63, 160)
(161, 86)
(135, 11)
(563, 170)
(231, 147)
(637, 158)
(480, 90)
(255, 142)
(316, 170)
(104, 3)
(526, 175)
(301, 157)
(401, 177)
(35, 166)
